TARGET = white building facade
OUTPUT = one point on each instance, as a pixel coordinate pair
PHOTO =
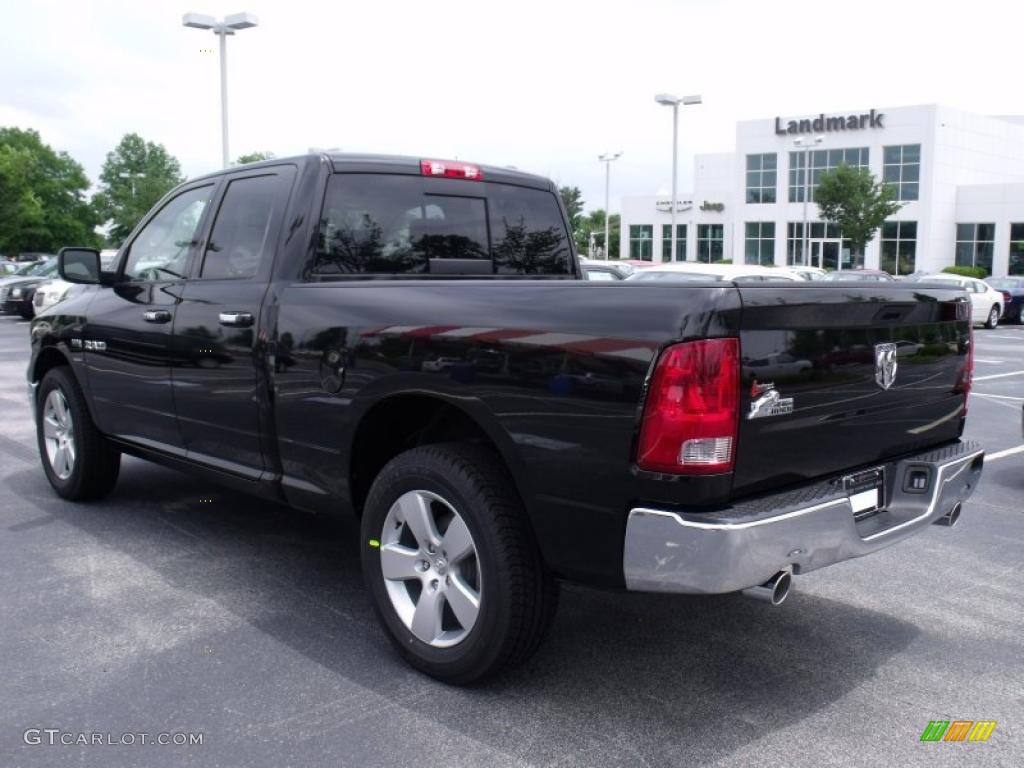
(959, 176)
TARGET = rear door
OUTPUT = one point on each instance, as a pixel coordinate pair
(219, 390)
(871, 372)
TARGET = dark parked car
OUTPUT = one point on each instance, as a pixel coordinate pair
(17, 291)
(1013, 296)
(608, 435)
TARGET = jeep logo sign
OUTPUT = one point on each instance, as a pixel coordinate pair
(821, 123)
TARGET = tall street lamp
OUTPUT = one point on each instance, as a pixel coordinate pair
(806, 144)
(133, 177)
(607, 159)
(222, 29)
(668, 100)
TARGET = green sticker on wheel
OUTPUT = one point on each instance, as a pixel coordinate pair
(374, 543)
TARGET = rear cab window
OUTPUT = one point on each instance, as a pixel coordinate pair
(402, 225)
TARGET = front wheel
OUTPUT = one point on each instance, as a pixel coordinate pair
(455, 575)
(993, 318)
(77, 459)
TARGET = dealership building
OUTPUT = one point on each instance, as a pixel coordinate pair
(959, 176)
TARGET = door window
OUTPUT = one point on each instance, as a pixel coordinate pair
(161, 250)
(239, 239)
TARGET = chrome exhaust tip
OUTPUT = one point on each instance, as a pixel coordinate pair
(774, 591)
(950, 518)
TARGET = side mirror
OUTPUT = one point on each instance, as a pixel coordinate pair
(79, 265)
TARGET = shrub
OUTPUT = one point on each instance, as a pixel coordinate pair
(979, 272)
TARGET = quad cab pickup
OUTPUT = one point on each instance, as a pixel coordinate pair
(411, 342)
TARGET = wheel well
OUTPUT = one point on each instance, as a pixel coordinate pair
(48, 358)
(399, 423)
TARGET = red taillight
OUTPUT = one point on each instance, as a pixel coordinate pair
(1007, 298)
(450, 169)
(692, 410)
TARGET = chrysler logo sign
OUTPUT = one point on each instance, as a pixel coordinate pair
(885, 365)
(822, 124)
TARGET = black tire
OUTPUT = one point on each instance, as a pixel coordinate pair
(96, 463)
(27, 313)
(518, 596)
(993, 318)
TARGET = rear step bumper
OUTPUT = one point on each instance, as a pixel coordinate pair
(814, 526)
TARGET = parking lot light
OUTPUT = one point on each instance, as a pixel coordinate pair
(607, 158)
(668, 100)
(230, 24)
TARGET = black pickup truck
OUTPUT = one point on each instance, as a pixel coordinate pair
(410, 341)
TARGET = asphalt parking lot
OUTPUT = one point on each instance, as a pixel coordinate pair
(176, 606)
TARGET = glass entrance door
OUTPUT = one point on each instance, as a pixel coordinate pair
(825, 253)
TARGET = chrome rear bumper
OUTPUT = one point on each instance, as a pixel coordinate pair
(811, 527)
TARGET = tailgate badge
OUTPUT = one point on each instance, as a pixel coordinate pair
(766, 401)
(885, 365)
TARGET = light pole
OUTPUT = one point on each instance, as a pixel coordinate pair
(607, 158)
(133, 177)
(806, 144)
(668, 100)
(222, 29)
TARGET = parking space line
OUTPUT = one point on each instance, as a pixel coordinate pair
(1012, 338)
(1003, 454)
(998, 375)
(994, 362)
(998, 397)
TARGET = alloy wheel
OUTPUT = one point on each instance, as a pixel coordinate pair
(59, 434)
(431, 569)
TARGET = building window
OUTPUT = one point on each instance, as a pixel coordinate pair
(899, 247)
(710, 242)
(821, 161)
(641, 242)
(760, 243)
(974, 245)
(902, 170)
(1016, 249)
(761, 178)
(666, 242)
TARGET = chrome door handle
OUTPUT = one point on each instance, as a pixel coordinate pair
(156, 316)
(236, 319)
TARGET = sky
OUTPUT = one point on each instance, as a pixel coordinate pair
(542, 86)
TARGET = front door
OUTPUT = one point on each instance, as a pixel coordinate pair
(127, 339)
(825, 253)
(219, 388)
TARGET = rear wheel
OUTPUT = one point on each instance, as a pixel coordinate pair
(78, 461)
(27, 313)
(455, 575)
(993, 318)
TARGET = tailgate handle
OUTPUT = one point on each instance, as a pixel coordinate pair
(236, 319)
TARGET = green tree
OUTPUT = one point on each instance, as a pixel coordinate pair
(42, 196)
(572, 197)
(135, 175)
(851, 198)
(254, 157)
(593, 223)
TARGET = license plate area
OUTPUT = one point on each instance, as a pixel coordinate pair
(866, 492)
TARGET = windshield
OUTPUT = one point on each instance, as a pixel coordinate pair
(27, 269)
(675, 277)
(1005, 283)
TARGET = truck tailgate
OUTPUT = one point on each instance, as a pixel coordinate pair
(861, 374)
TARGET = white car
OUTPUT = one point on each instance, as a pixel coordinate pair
(699, 271)
(986, 301)
(49, 293)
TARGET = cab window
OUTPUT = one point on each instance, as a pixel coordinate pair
(161, 250)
